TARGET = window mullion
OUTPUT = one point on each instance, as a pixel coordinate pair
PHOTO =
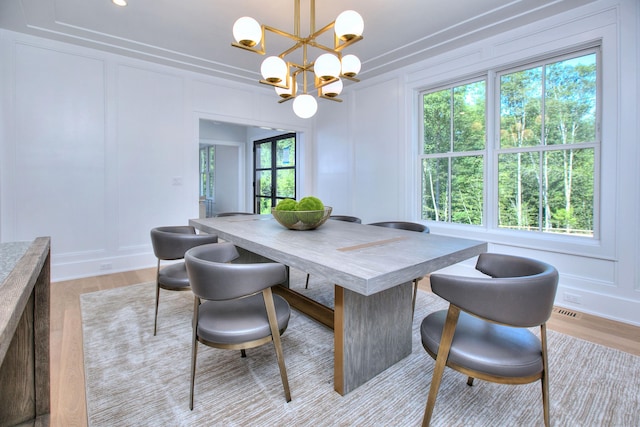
(451, 151)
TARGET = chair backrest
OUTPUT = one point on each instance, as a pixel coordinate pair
(520, 291)
(234, 214)
(403, 225)
(171, 242)
(346, 218)
(212, 277)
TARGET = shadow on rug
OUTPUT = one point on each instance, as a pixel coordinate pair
(136, 379)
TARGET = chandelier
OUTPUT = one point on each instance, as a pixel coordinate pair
(327, 70)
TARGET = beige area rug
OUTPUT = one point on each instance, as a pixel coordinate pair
(136, 379)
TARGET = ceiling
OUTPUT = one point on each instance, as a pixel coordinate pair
(196, 34)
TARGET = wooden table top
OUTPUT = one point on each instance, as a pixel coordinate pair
(363, 258)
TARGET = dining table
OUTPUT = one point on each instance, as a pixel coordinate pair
(372, 269)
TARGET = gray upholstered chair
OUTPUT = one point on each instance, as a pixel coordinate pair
(410, 226)
(345, 218)
(484, 332)
(403, 225)
(234, 214)
(234, 307)
(170, 244)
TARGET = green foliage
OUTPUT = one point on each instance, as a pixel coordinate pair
(545, 177)
(453, 181)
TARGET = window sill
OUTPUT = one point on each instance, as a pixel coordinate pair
(570, 245)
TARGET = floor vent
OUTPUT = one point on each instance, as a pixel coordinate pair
(567, 313)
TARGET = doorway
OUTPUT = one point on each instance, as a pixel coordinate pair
(221, 178)
(274, 161)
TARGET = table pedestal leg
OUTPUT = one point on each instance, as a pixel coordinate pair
(371, 333)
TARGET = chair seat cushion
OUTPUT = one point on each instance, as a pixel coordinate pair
(240, 320)
(173, 276)
(486, 347)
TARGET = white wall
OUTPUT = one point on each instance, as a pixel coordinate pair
(98, 148)
(92, 144)
(381, 143)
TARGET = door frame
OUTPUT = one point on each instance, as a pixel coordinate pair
(241, 169)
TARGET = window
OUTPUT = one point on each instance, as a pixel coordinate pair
(540, 174)
(453, 154)
(274, 171)
(207, 171)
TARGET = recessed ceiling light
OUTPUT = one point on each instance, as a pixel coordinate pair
(120, 2)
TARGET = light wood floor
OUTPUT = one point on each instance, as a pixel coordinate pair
(68, 406)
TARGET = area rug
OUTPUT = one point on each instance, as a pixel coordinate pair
(136, 379)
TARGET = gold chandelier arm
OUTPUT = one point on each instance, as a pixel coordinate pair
(283, 33)
(338, 44)
(281, 86)
(306, 64)
(353, 79)
(291, 49)
(322, 30)
(300, 67)
(323, 47)
(296, 18)
(330, 98)
(250, 49)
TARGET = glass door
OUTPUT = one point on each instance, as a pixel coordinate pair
(274, 161)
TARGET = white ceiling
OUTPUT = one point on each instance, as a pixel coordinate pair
(196, 34)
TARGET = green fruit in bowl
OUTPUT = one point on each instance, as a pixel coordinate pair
(287, 205)
(310, 210)
(310, 203)
(286, 212)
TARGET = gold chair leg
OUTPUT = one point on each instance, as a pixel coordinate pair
(441, 361)
(544, 379)
(275, 336)
(155, 319)
(194, 348)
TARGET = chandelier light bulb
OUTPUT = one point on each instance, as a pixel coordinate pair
(287, 93)
(119, 2)
(305, 106)
(327, 66)
(322, 78)
(332, 89)
(349, 25)
(247, 31)
(274, 69)
(350, 65)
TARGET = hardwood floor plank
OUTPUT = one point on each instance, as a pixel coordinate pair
(68, 403)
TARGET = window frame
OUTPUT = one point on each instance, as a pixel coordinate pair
(207, 191)
(532, 239)
(449, 155)
(274, 168)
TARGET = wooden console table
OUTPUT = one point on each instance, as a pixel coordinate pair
(24, 332)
